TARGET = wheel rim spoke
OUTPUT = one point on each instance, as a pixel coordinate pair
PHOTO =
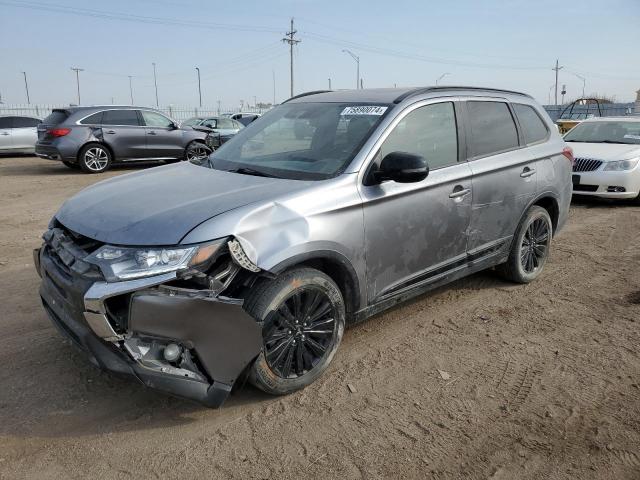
(300, 333)
(533, 249)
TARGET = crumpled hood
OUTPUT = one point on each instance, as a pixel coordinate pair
(161, 205)
(605, 151)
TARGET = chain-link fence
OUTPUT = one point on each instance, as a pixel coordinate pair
(177, 112)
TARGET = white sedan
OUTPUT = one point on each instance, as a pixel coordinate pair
(18, 134)
(607, 157)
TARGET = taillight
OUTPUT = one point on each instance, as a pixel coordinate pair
(59, 132)
(568, 153)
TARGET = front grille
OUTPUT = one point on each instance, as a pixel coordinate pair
(586, 164)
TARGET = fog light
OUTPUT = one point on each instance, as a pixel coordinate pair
(172, 352)
(616, 189)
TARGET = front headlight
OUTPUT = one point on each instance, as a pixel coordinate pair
(621, 165)
(123, 263)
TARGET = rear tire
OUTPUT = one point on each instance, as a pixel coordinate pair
(530, 247)
(94, 158)
(303, 316)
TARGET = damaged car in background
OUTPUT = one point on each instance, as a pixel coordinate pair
(195, 276)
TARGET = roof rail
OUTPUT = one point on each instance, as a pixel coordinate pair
(419, 91)
(313, 92)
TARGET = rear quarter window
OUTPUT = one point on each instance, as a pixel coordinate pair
(493, 129)
(533, 127)
(95, 119)
(56, 117)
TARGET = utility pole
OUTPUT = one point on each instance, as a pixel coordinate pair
(557, 69)
(130, 88)
(26, 87)
(78, 70)
(218, 107)
(357, 59)
(329, 83)
(199, 89)
(291, 41)
(563, 92)
(155, 82)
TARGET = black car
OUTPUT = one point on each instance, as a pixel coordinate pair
(92, 138)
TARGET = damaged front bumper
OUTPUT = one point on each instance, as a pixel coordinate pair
(212, 338)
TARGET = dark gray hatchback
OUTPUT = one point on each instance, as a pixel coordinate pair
(92, 138)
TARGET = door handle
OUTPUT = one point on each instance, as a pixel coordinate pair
(459, 192)
(527, 172)
(151, 133)
(110, 132)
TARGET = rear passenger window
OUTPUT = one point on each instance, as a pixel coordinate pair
(95, 119)
(25, 122)
(5, 122)
(120, 117)
(428, 131)
(492, 128)
(533, 128)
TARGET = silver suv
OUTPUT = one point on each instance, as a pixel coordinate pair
(92, 138)
(194, 276)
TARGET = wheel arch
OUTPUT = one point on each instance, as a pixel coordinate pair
(550, 203)
(337, 267)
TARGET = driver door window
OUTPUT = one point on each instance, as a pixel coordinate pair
(429, 132)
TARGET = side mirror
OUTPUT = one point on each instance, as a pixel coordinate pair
(174, 126)
(402, 167)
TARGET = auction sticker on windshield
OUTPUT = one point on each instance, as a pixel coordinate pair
(364, 110)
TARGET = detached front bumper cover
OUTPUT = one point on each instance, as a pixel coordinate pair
(216, 330)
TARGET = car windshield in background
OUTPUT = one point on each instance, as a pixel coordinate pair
(302, 141)
(191, 122)
(606, 132)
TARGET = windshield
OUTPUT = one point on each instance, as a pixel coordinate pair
(606, 132)
(191, 122)
(303, 141)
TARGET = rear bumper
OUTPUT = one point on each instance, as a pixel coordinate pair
(218, 334)
(48, 152)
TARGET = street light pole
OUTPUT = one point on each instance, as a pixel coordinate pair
(357, 59)
(130, 88)
(155, 82)
(441, 77)
(78, 70)
(199, 89)
(26, 87)
(584, 81)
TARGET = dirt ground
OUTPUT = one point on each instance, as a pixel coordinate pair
(543, 380)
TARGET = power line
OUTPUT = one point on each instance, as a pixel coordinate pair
(289, 38)
(85, 12)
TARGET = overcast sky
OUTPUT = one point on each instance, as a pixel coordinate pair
(237, 45)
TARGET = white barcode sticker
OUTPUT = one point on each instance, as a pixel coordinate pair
(364, 110)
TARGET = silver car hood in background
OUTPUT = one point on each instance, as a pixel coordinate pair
(605, 151)
(160, 206)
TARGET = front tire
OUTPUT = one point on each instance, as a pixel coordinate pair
(303, 316)
(530, 247)
(94, 158)
(196, 152)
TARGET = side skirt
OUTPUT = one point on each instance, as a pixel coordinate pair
(471, 266)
